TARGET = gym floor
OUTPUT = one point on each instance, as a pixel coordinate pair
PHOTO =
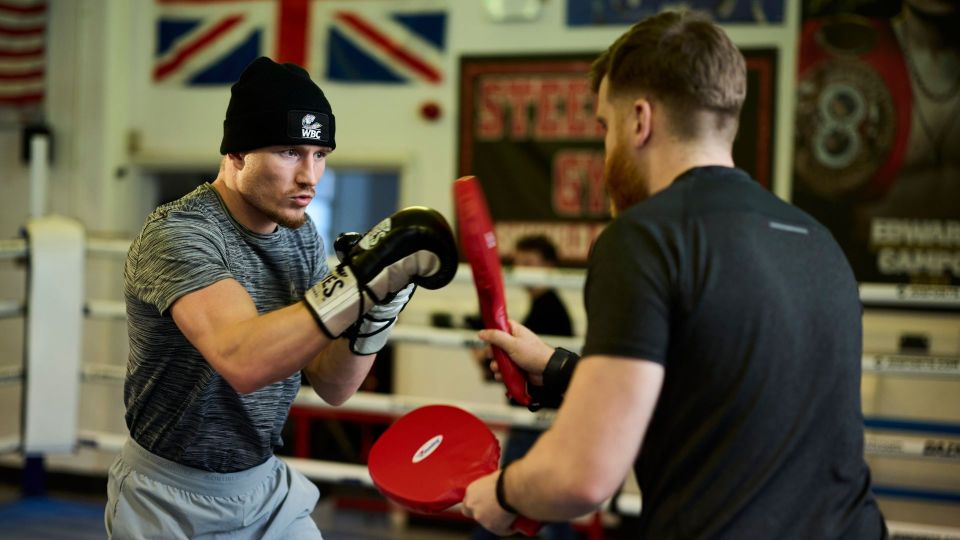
(72, 509)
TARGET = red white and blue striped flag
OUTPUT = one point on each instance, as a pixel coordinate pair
(22, 52)
(210, 42)
(381, 44)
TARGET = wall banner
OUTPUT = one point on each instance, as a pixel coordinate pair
(528, 132)
(605, 12)
(878, 145)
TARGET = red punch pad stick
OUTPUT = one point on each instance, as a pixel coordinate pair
(479, 245)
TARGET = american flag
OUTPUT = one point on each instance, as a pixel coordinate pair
(22, 31)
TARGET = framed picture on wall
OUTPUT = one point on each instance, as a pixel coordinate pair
(528, 131)
(620, 12)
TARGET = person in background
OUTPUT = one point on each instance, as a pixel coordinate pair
(228, 298)
(547, 316)
(723, 347)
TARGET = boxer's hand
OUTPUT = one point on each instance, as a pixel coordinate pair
(523, 347)
(414, 245)
(344, 243)
(369, 335)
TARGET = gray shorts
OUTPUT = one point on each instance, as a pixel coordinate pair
(152, 497)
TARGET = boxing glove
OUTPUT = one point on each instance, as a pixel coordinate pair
(369, 335)
(414, 245)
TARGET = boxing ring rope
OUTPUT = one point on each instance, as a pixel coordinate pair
(11, 374)
(115, 247)
(394, 405)
(900, 446)
(13, 249)
(11, 308)
(501, 415)
(939, 366)
(881, 294)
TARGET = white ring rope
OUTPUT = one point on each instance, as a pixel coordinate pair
(918, 296)
(11, 374)
(912, 364)
(886, 445)
(912, 296)
(13, 249)
(909, 446)
(114, 247)
(883, 363)
(105, 309)
(12, 308)
(9, 444)
(916, 531)
(396, 405)
(108, 372)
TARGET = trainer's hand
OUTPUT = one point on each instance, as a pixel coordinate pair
(527, 350)
(480, 504)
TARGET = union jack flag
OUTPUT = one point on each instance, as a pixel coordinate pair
(210, 42)
(22, 30)
(378, 45)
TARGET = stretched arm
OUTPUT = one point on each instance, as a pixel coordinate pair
(251, 351)
(583, 458)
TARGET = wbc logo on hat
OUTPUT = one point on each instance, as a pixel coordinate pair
(308, 125)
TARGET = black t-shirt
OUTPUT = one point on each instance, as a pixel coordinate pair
(753, 311)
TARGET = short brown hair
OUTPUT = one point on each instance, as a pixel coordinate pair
(682, 59)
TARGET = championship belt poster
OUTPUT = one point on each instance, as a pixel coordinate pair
(528, 132)
(878, 139)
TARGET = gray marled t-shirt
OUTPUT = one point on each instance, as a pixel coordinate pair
(178, 407)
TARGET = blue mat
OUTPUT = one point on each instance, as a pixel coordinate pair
(43, 518)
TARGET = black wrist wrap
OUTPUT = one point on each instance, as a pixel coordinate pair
(556, 376)
(501, 497)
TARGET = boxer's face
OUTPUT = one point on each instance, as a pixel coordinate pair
(278, 182)
(624, 182)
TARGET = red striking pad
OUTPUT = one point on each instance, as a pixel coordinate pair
(479, 244)
(426, 459)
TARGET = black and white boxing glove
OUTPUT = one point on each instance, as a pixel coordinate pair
(413, 246)
(369, 335)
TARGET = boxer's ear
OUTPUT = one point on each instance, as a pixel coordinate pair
(237, 159)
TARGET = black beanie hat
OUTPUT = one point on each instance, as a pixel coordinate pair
(276, 104)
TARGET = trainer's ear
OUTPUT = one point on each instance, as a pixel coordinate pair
(642, 121)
